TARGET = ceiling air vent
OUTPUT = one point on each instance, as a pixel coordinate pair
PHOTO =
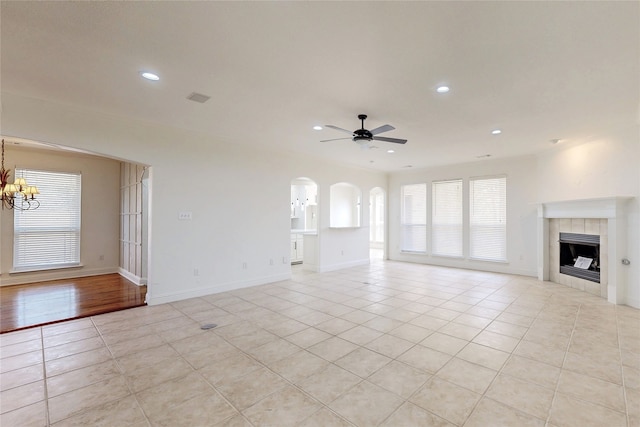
(198, 97)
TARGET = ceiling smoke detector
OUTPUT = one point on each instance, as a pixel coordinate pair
(198, 97)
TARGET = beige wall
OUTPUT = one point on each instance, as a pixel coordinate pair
(100, 212)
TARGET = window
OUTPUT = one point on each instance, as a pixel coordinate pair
(48, 237)
(488, 219)
(446, 222)
(414, 218)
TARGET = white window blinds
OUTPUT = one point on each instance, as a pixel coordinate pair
(446, 220)
(488, 218)
(413, 225)
(49, 237)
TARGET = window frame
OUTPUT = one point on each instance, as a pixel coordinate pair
(405, 226)
(66, 223)
(436, 208)
(503, 214)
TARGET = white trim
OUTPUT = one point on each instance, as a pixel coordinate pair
(36, 268)
(633, 302)
(606, 207)
(209, 290)
(468, 264)
(340, 266)
(60, 274)
(132, 277)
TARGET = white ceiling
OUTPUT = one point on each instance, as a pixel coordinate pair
(536, 70)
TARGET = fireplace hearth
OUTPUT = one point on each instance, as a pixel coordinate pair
(580, 256)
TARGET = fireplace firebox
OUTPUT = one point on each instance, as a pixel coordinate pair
(580, 256)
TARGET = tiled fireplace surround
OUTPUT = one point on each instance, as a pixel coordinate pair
(593, 226)
(604, 217)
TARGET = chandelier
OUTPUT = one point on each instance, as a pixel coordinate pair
(19, 195)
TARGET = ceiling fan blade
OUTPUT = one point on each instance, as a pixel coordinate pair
(340, 129)
(394, 140)
(383, 128)
(334, 139)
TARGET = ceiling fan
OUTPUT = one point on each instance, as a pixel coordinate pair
(363, 136)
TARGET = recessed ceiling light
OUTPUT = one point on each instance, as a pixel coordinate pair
(442, 89)
(554, 141)
(391, 151)
(149, 76)
(316, 127)
(496, 132)
(407, 166)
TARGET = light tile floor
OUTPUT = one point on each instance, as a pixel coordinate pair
(389, 344)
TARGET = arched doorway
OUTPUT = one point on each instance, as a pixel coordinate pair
(304, 223)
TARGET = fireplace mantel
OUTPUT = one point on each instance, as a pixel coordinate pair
(614, 210)
(608, 207)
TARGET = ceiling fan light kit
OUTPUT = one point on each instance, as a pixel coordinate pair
(363, 136)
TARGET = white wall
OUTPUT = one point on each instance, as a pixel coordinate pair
(601, 167)
(521, 212)
(344, 209)
(239, 198)
(100, 212)
(232, 223)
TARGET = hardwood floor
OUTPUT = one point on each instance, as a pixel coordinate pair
(33, 304)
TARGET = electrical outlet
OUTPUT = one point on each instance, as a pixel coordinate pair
(101, 258)
(284, 259)
(271, 261)
(244, 265)
(342, 252)
(196, 272)
(185, 216)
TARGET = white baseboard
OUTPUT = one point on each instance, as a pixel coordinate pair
(633, 302)
(132, 277)
(466, 264)
(340, 266)
(309, 267)
(42, 276)
(153, 299)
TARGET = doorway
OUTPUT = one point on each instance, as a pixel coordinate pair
(304, 222)
(376, 223)
(102, 241)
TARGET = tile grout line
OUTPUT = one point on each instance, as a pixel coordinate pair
(624, 388)
(484, 393)
(312, 289)
(453, 356)
(44, 377)
(323, 405)
(121, 371)
(564, 359)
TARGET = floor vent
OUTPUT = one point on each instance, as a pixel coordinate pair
(208, 326)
